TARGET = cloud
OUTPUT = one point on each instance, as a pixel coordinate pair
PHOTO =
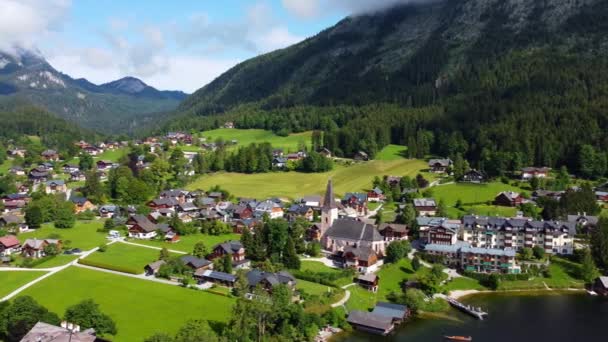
(25, 22)
(310, 9)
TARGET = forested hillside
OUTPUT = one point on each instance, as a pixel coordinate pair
(505, 83)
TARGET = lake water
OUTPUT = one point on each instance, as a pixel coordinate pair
(530, 317)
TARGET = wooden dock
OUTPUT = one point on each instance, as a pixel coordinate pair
(475, 312)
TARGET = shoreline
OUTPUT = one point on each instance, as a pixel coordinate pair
(459, 294)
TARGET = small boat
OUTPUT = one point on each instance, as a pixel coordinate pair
(458, 338)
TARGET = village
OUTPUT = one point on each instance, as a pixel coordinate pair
(203, 238)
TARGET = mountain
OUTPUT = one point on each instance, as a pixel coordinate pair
(120, 106)
(503, 83)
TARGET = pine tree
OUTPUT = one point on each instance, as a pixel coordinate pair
(290, 257)
(164, 255)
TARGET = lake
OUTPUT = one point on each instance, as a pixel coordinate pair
(521, 317)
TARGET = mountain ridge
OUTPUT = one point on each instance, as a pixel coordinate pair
(115, 106)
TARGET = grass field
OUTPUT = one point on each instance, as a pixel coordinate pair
(10, 281)
(392, 152)
(113, 155)
(247, 136)
(5, 166)
(357, 177)
(186, 243)
(58, 260)
(312, 288)
(139, 307)
(128, 256)
(84, 235)
(471, 194)
(319, 267)
(563, 275)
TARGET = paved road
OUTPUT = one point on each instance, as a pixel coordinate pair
(345, 298)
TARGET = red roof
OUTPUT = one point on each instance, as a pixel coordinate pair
(9, 241)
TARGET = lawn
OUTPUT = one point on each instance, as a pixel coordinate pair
(113, 155)
(361, 299)
(128, 256)
(563, 275)
(245, 137)
(58, 260)
(464, 283)
(311, 288)
(140, 308)
(319, 267)
(83, 235)
(392, 152)
(10, 281)
(357, 177)
(187, 242)
(471, 194)
(482, 210)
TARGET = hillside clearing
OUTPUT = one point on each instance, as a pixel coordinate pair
(244, 137)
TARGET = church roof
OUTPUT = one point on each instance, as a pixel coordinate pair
(329, 200)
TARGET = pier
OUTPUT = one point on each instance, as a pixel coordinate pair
(475, 312)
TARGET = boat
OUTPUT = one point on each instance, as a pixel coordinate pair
(458, 338)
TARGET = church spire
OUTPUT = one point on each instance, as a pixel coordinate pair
(329, 201)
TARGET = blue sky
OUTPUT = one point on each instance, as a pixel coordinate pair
(180, 44)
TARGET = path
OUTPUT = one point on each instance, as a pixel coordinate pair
(137, 276)
(50, 272)
(345, 298)
(151, 247)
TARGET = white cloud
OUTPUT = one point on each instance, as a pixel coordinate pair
(276, 38)
(303, 9)
(26, 22)
(309, 9)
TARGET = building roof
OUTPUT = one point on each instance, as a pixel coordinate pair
(12, 219)
(511, 195)
(371, 320)
(329, 201)
(442, 162)
(9, 241)
(604, 281)
(578, 218)
(43, 332)
(216, 275)
(394, 311)
(368, 277)
(424, 202)
(230, 247)
(144, 223)
(402, 228)
(156, 265)
(194, 261)
(353, 230)
(255, 276)
(55, 182)
(360, 252)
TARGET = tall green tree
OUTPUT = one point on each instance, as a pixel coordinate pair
(88, 315)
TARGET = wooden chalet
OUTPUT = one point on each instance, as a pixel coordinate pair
(508, 199)
(368, 281)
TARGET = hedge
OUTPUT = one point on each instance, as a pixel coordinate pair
(110, 267)
(322, 278)
(36, 262)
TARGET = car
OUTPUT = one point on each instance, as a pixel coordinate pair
(67, 252)
(76, 251)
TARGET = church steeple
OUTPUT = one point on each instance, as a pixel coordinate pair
(329, 210)
(329, 202)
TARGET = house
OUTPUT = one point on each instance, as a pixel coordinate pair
(393, 231)
(361, 156)
(395, 311)
(50, 155)
(528, 173)
(92, 150)
(600, 286)
(17, 171)
(482, 260)
(221, 278)
(325, 152)
(271, 208)
(587, 222)
(216, 195)
(425, 206)
(601, 196)
(508, 199)
(368, 281)
(440, 165)
(300, 211)
(81, 204)
(229, 124)
(55, 186)
(104, 165)
(108, 211)
(13, 221)
(357, 201)
(164, 203)
(14, 205)
(279, 162)
(239, 226)
(34, 248)
(44, 332)
(69, 168)
(375, 195)
(8, 245)
(39, 174)
(78, 176)
(440, 231)
(195, 263)
(361, 258)
(187, 207)
(473, 176)
(370, 322)
(179, 195)
(153, 267)
(313, 201)
(269, 280)
(233, 248)
(17, 152)
(241, 212)
(140, 227)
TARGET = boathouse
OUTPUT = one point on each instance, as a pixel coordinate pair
(396, 312)
(370, 322)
